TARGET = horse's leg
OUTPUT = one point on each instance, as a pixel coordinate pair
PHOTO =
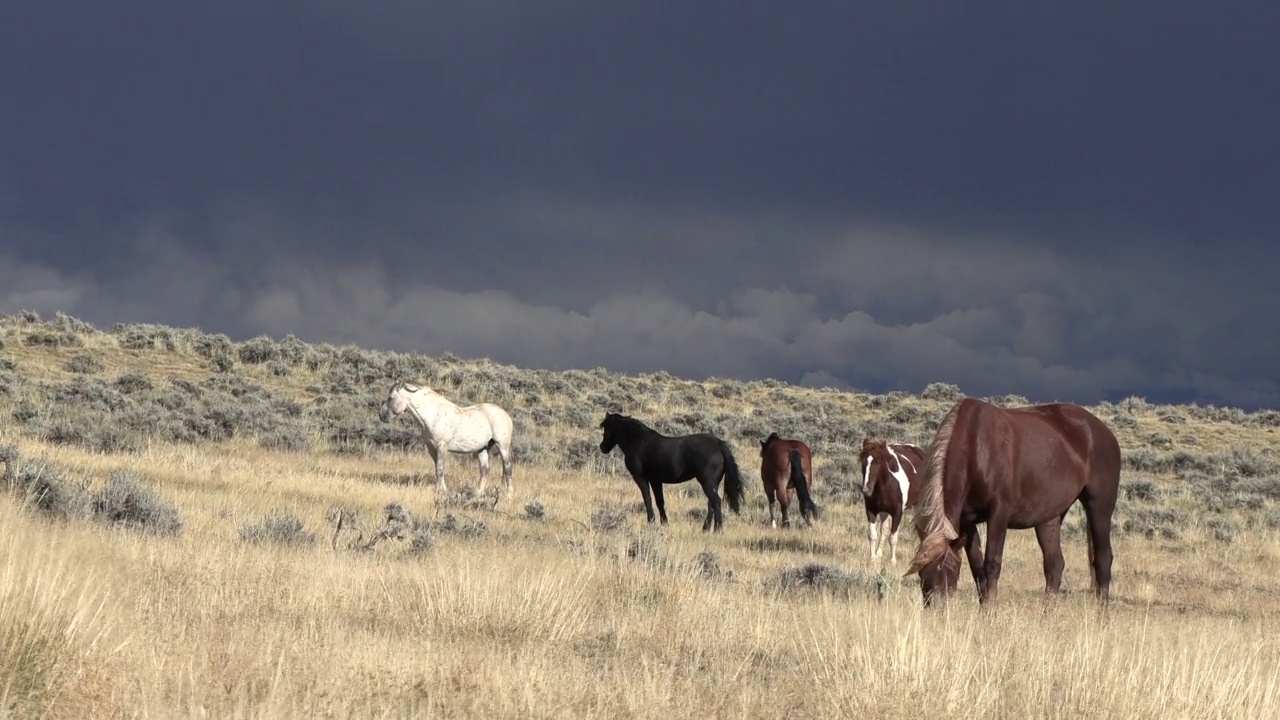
(1049, 535)
(773, 500)
(482, 457)
(872, 521)
(713, 505)
(973, 551)
(1097, 516)
(505, 453)
(662, 503)
(895, 520)
(997, 527)
(437, 459)
(648, 501)
(784, 502)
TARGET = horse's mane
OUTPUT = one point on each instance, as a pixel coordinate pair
(932, 526)
(626, 421)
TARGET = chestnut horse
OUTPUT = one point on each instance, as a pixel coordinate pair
(1014, 468)
(786, 465)
(888, 473)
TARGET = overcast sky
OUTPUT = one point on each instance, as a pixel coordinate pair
(1073, 201)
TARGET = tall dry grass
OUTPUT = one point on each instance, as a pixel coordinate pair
(55, 659)
(549, 618)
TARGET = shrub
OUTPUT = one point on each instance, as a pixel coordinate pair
(50, 338)
(607, 518)
(132, 382)
(291, 438)
(820, 577)
(1140, 489)
(421, 539)
(127, 503)
(282, 528)
(84, 363)
(46, 488)
(942, 392)
(258, 350)
(465, 527)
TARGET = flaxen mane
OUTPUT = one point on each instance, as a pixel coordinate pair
(932, 526)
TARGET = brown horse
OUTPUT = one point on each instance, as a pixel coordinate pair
(888, 472)
(786, 465)
(1014, 468)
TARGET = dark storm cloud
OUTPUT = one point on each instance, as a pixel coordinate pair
(1075, 201)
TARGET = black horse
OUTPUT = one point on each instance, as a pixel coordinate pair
(654, 459)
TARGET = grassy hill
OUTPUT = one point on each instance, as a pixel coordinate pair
(171, 551)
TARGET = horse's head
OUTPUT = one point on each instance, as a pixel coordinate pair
(764, 444)
(937, 559)
(876, 462)
(396, 402)
(939, 577)
(609, 426)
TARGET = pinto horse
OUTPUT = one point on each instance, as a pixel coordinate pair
(1013, 468)
(786, 465)
(888, 473)
(654, 459)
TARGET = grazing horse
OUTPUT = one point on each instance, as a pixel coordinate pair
(784, 465)
(888, 473)
(654, 459)
(1013, 468)
(471, 430)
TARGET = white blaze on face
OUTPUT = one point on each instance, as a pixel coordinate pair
(866, 477)
(901, 476)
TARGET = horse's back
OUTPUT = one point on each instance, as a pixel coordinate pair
(914, 455)
(681, 457)
(1085, 432)
(499, 420)
(1050, 453)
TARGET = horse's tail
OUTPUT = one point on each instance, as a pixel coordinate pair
(932, 526)
(807, 508)
(732, 479)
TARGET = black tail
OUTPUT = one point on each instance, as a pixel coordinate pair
(732, 480)
(808, 510)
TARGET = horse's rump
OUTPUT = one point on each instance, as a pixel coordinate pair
(775, 463)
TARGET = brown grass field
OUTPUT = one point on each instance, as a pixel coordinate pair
(559, 602)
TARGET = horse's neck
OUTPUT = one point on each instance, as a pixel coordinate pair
(430, 410)
(633, 435)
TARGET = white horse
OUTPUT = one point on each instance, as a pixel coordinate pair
(470, 430)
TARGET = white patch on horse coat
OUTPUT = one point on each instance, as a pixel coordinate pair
(901, 475)
(872, 537)
(866, 477)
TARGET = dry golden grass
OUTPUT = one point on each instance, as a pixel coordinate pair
(551, 617)
(547, 618)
